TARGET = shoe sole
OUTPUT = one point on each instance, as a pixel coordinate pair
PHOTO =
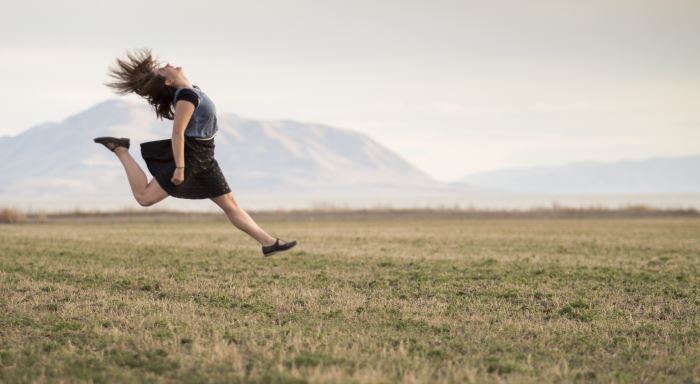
(100, 140)
(281, 250)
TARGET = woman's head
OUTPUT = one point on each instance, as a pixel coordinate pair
(172, 75)
(140, 73)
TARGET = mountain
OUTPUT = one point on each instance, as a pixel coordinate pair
(652, 175)
(287, 164)
(274, 159)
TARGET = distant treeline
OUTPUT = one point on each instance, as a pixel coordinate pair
(10, 215)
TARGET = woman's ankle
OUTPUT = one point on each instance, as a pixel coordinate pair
(268, 242)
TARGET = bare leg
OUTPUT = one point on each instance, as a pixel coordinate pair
(144, 192)
(241, 220)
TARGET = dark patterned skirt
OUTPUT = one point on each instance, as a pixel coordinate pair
(203, 177)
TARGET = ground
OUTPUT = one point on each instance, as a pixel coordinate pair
(359, 300)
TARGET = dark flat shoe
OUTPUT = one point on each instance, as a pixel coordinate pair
(277, 247)
(112, 142)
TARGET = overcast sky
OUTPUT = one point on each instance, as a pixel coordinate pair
(454, 87)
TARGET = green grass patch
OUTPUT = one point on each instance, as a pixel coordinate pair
(423, 300)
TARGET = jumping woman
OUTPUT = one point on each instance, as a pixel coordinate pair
(184, 166)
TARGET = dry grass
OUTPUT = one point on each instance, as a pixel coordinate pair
(421, 300)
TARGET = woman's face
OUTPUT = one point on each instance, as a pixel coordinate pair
(171, 74)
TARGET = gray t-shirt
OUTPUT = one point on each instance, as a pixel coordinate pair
(203, 124)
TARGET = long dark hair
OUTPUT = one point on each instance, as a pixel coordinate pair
(135, 74)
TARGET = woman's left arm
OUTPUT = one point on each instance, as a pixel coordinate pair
(183, 113)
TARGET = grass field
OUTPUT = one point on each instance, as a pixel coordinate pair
(385, 300)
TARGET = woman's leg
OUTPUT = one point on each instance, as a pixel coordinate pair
(240, 218)
(144, 192)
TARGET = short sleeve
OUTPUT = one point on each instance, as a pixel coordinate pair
(189, 95)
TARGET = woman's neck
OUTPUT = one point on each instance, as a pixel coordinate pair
(184, 83)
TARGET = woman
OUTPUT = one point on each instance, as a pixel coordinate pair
(184, 166)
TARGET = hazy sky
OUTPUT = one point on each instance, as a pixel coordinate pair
(452, 86)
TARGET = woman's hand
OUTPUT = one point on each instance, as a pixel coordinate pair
(178, 176)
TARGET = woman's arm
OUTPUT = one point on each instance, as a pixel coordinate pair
(183, 113)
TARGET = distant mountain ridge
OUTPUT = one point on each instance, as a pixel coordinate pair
(653, 175)
(284, 163)
(258, 157)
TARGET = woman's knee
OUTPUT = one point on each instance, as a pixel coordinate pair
(144, 201)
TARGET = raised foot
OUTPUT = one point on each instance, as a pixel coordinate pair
(112, 143)
(278, 246)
